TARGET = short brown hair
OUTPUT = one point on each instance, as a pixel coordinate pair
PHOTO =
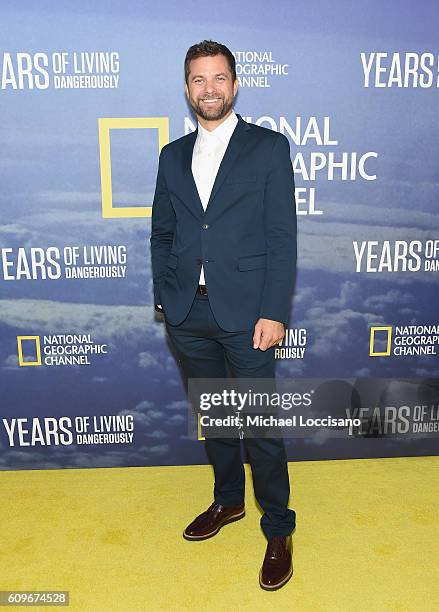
(209, 48)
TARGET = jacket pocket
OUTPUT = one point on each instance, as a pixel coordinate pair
(172, 261)
(252, 262)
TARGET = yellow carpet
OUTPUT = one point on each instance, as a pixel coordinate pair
(366, 538)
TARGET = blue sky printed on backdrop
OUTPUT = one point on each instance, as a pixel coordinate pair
(50, 195)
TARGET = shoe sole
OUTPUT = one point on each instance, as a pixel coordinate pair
(232, 519)
(269, 587)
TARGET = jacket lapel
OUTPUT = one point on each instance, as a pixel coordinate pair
(187, 171)
(236, 143)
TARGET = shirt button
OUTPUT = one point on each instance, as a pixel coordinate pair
(205, 226)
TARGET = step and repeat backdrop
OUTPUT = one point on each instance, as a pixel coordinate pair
(89, 94)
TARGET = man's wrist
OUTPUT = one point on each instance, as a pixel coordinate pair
(271, 319)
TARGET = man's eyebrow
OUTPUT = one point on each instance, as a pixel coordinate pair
(200, 76)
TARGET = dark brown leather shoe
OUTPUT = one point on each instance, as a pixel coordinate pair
(210, 522)
(277, 568)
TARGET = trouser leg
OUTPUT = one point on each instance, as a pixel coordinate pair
(267, 456)
(200, 356)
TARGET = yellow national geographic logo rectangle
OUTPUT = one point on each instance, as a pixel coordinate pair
(200, 431)
(36, 350)
(128, 123)
(380, 328)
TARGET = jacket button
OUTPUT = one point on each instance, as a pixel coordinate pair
(205, 226)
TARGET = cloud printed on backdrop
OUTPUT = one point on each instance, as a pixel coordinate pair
(87, 376)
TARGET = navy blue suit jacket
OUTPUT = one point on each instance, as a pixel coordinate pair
(245, 240)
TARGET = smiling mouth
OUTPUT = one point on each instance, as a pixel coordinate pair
(211, 100)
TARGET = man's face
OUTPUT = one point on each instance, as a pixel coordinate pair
(209, 89)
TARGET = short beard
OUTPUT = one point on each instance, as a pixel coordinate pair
(213, 115)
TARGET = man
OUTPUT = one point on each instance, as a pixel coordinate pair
(223, 250)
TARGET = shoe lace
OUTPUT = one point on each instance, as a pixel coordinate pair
(276, 547)
(214, 507)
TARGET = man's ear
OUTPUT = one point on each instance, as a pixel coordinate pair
(186, 89)
(235, 87)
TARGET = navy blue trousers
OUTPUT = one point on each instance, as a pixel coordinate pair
(205, 350)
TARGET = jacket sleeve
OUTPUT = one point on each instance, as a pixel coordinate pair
(162, 228)
(280, 233)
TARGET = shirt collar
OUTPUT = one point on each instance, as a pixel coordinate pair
(223, 132)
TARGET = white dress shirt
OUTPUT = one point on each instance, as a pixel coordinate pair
(208, 152)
